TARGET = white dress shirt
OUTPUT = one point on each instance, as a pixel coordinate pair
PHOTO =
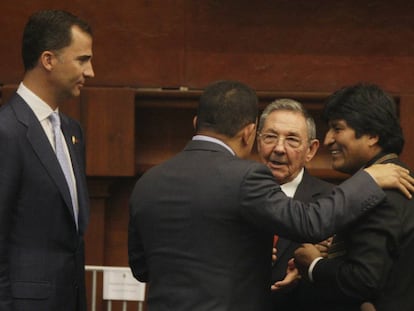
(42, 111)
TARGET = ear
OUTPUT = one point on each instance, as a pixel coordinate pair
(195, 122)
(312, 149)
(373, 140)
(249, 133)
(47, 59)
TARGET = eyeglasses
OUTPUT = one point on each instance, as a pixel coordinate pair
(274, 139)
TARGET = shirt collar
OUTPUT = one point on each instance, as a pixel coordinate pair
(39, 107)
(213, 140)
(290, 187)
(381, 157)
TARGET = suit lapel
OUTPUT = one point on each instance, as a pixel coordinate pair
(306, 193)
(40, 143)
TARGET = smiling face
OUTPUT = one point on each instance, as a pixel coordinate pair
(72, 65)
(348, 152)
(285, 161)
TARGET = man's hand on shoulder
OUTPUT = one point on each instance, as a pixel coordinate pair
(392, 176)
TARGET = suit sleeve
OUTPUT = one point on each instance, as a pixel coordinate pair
(9, 185)
(371, 245)
(265, 205)
(136, 254)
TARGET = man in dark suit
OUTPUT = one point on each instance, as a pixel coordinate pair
(202, 223)
(44, 201)
(286, 143)
(375, 253)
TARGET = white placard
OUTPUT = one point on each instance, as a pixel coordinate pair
(121, 285)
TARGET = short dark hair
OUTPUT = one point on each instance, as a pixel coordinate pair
(48, 30)
(225, 107)
(368, 110)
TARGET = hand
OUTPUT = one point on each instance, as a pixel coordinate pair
(304, 255)
(390, 176)
(323, 247)
(367, 306)
(291, 279)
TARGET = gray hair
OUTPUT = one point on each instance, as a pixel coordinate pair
(290, 105)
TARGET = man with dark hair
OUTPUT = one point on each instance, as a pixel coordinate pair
(202, 223)
(43, 197)
(370, 257)
(226, 110)
(49, 30)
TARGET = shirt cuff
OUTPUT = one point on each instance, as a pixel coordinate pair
(312, 265)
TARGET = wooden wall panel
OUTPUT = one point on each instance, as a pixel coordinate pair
(164, 124)
(109, 122)
(406, 117)
(95, 241)
(273, 45)
(117, 213)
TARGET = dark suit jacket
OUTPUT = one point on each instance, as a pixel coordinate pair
(41, 252)
(309, 190)
(377, 265)
(202, 224)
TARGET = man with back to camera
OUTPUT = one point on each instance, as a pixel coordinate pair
(286, 142)
(202, 223)
(43, 196)
(373, 255)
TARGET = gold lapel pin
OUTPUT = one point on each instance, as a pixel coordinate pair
(74, 140)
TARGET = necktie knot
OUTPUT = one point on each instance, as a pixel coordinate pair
(55, 119)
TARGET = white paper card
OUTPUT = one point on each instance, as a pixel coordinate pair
(121, 285)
